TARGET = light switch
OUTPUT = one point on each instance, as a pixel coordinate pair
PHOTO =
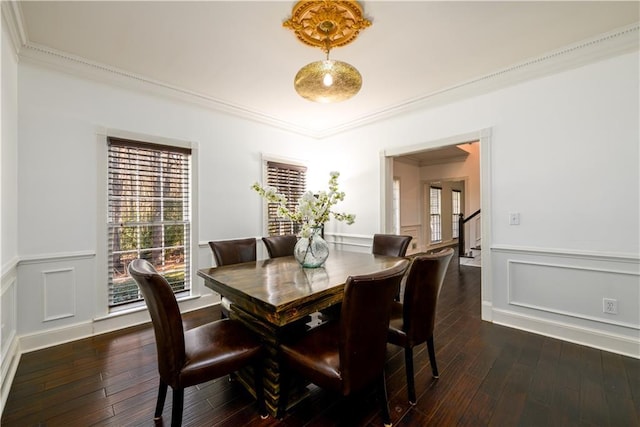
(514, 218)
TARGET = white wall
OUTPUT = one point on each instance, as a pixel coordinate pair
(564, 153)
(60, 117)
(8, 214)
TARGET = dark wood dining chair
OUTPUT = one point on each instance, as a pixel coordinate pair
(235, 251)
(412, 320)
(191, 357)
(390, 244)
(278, 246)
(347, 355)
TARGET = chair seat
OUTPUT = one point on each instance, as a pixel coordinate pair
(215, 349)
(316, 356)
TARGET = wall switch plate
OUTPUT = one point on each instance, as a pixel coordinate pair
(514, 218)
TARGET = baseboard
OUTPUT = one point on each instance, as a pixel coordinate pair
(486, 311)
(624, 345)
(9, 367)
(51, 337)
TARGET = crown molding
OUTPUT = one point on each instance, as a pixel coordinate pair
(620, 41)
(614, 43)
(12, 14)
(82, 67)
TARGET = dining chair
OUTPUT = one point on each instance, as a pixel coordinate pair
(347, 355)
(412, 320)
(278, 246)
(390, 244)
(235, 251)
(191, 357)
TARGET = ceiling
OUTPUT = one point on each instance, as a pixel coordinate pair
(237, 57)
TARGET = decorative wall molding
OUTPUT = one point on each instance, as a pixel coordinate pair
(9, 269)
(611, 273)
(597, 48)
(58, 257)
(9, 348)
(8, 370)
(59, 292)
(569, 253)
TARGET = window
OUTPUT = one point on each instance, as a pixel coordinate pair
(290, 180)
(455, 209)
(396, 205)
(435, 198)
(149, 215)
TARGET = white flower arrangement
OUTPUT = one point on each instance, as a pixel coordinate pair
(313, 210)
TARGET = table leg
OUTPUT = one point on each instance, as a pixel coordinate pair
(272, 336)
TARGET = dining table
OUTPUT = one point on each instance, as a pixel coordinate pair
(280, 300)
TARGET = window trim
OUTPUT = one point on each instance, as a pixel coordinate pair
(266, 159)
(102, 292)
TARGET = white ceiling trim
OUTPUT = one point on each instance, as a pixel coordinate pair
(603, 46)
(13, 18)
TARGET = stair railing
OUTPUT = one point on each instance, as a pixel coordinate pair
(461, 233)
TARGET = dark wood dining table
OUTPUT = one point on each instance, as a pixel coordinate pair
(276, 298)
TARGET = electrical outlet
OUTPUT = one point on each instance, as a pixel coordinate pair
(514, 218)
(610, 306)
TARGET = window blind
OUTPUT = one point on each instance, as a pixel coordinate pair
(290, 180)
(455, 209)
(148, 215)
(435, 201)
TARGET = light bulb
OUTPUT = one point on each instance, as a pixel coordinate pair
(327, 80)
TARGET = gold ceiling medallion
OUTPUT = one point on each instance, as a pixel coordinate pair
(327, 24)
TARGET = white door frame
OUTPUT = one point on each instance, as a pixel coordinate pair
(386, 184)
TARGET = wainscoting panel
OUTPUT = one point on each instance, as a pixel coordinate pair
(575, 291)
(560, 293)
(9, 348)
(59, 290)
(56, 291)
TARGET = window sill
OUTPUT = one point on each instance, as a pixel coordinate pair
(137, 309)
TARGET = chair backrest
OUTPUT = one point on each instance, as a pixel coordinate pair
(390, 244)
(165, 317)
(422, 288)
(235, 251)
(278, 246)
(364, 322)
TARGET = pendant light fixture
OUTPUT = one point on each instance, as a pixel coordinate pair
(327, 24)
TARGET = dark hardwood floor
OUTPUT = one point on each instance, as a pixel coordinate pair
(489, 375)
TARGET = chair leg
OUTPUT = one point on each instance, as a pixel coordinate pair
(162, 394)
(386, 415)
(432, 357)
(258, 385)
(178, 403)
(408, 365)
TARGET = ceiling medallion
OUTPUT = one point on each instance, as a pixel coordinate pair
(327, 24)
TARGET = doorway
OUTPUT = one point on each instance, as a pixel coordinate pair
(445, 156)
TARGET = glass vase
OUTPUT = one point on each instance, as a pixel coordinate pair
(312, 251)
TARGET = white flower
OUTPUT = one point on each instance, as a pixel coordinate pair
(312, 210)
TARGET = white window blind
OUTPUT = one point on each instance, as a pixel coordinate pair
(435, 203)
(455, 209)
(149, 215)
(290, 180)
